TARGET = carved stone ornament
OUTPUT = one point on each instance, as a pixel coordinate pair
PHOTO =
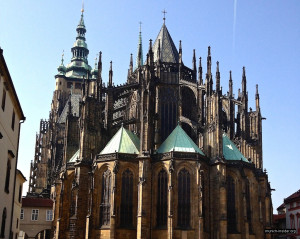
(116, 167)
(172, 166)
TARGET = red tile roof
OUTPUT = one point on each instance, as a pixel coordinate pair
(282, 206)
(277, 217)
(36, 202)
(292, 198)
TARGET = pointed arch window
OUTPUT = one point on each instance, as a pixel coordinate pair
(248, 205)
(126, 219)
(105, 199)
(162, 199)
(2, 234)
(231, 212)
(184, 204)
(73, 198)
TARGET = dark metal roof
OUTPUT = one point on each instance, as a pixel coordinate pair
(36, 202)
(168, 51)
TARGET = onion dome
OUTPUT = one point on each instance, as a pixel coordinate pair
(61, 68)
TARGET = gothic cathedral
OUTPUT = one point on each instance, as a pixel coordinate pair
(164, 155)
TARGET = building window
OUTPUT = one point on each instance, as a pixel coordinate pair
(13, 119)
(22, 214)
(231, 212)
(69, 84)
(7, 179)
(105, 199)
(17, 223)
(162, 199)
(292, 221)
(184, 204)
(127, 199)
(3, 99)
(77, 85)
(49, 215)
(2, 235)
(34, 214)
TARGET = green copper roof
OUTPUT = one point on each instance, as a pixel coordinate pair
(168, 51)
(230, 151)
(124, 141)
(179, 141)
(74, 157)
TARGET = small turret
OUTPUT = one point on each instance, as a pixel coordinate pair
(99, 78)
(110, 75)
(61, 68)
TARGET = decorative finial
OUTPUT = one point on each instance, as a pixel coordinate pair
(62, 57)
(82, 9)
(140, 26)
(164, 12)
(96, 60)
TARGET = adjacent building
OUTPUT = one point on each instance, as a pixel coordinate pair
(167, 154)
(36, 217)
(292, 204)
(11, 117)
(20, 179)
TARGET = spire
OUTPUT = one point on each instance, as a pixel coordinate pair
(180, 52)
(110, 75)
(218, 78)
(230, 85)
(130, 65)
(244, 82)
(139, 57)
(79, 62)
(99, 78)
(208, 62)
(200, 79)
(257, 99)
(150, 52)
(194, 61)
(168, 51)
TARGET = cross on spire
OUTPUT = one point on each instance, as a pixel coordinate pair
(164, 12)
(62, 57)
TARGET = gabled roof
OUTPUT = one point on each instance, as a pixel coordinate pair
(230, 151)
(74, 157)
(75, 98)
(179, 141)
(294, 197)
(124, 141)
(36, 202)
(168, 51)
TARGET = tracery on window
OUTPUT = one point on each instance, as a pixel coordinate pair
(168, 111)
(162, 199)
(105, 199)
(184, 204)
(126, 217)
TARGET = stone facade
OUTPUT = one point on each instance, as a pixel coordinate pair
(208, 184)
(11, 117)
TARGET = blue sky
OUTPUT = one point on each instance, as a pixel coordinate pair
(265, 39)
